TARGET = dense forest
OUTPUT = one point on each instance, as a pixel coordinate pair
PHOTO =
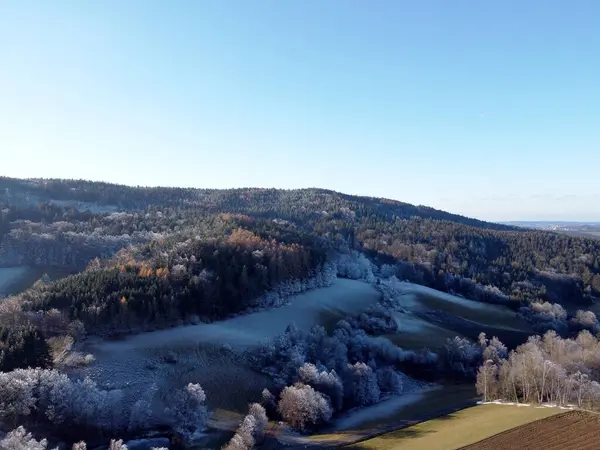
(154, 257)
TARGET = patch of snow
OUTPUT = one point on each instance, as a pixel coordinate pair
(542, 406)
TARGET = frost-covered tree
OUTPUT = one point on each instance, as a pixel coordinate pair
(16, 394)
(20, 439)
(545, 316)
(117, 444)
(261, 421)
(186, 409)
(303, 407)
(389, 381)
(244, 436)
(493, 349)
(361, 386)
(251, 431)
(486, 380)
(585, 320)
(356, 266)
(141, 416)
(325, 382)
(546, 369)
(461, 356)
(48, 396)
(79, 446)
(375, 321)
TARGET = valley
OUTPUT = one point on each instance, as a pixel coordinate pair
(367, 313)
(215, 356)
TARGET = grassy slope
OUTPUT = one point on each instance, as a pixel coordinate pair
(136, 361)
(427, 404)
(459, 429)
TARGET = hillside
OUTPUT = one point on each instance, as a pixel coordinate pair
(67, 223)
(373, 302)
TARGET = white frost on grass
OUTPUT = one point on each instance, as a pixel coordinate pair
(306, 309)
(417, 298)
(542, 406)
(410, 288)
(11, 275)
(137, 361)
(408, 323)
(381, 410)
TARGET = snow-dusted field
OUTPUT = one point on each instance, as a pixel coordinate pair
(419, 298)
(416, 333)
(137, 361)
(11, 276)
(305, 310)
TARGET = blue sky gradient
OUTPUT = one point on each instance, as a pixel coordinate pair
(488, 109)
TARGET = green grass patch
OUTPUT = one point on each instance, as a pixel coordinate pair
(456, 430)
(443, 398)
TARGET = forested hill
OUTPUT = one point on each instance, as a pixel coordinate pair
(156, 256)
(297, 204)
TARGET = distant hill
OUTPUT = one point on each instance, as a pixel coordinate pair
(105, 197)
(584, 229)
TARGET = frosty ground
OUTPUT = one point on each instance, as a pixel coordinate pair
(197, 353)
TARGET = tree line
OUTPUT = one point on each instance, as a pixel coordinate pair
(545, 369)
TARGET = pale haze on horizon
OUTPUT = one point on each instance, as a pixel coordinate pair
(486, 109)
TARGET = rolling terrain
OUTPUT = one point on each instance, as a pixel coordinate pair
(130, 288)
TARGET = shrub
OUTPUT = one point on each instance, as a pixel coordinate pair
(303, 407)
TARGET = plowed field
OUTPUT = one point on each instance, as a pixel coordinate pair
(577, 430)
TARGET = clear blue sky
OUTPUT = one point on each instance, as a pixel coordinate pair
(486, 108)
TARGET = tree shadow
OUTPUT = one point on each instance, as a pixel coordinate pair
(409, 431)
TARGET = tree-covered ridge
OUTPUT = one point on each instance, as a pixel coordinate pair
(297, 203)
(66, 222)
(169, 280)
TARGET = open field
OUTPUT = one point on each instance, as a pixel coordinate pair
(459, 429)
(392, 414)
(420, 298)
(416, 333)
(432, 316)
(571, 430)
(173, 357)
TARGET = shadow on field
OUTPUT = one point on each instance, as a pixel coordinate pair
(411, 431)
